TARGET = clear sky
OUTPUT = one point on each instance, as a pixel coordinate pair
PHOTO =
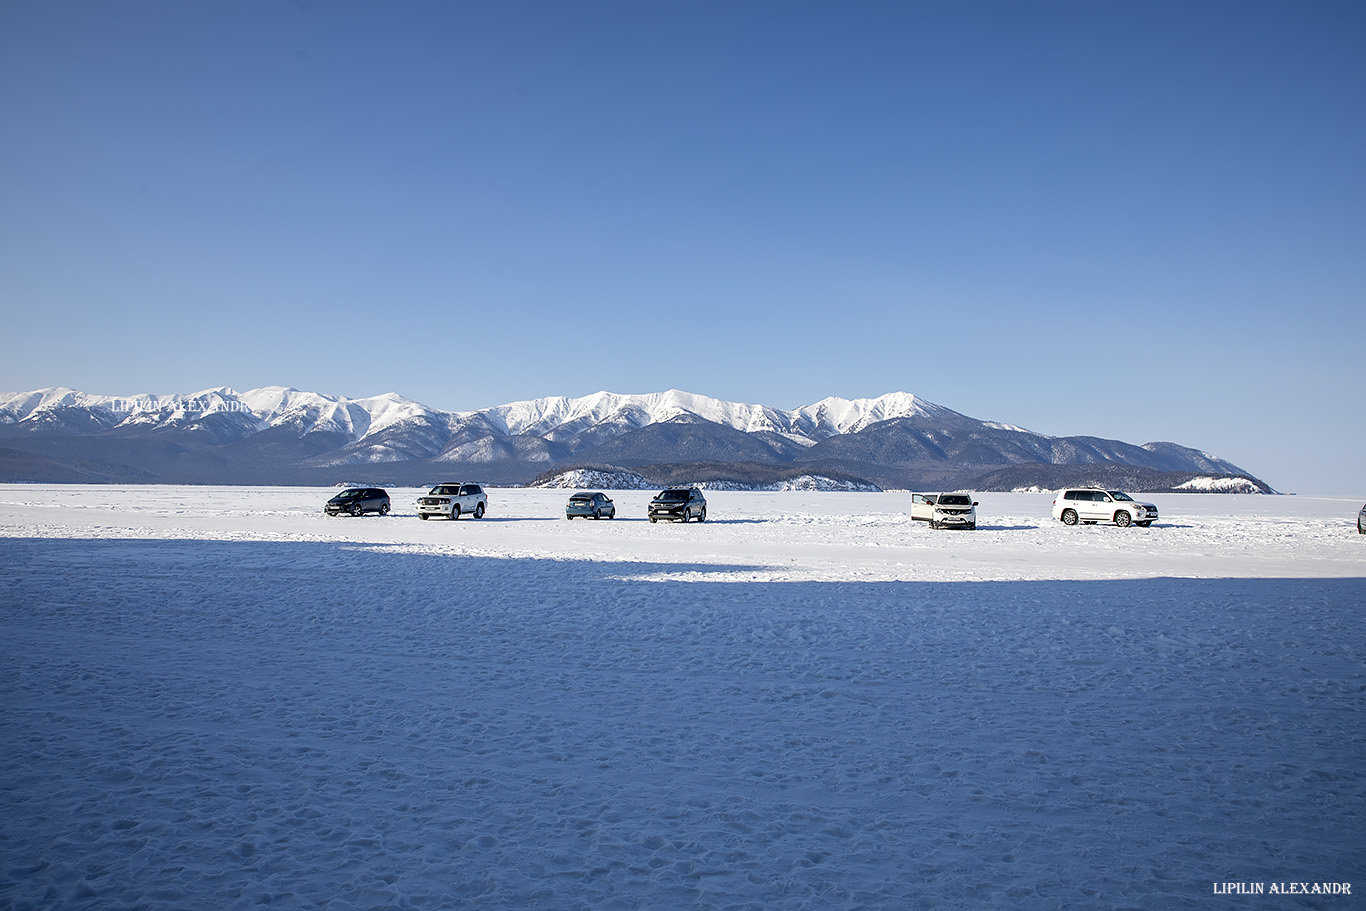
(1144, 221)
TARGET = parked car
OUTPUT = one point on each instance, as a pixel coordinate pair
(453, 501)
(585, 505)
(678, 504)
(357, 501)
(1090, 505)
(1361, 521)
(945, 510)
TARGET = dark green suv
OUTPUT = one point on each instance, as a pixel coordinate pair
(679, 504)
(357, 501)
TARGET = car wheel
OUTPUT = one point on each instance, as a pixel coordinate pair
(479, 510)
(423, 516)
(703, 516)
(597, 513)
(972, 527)
(653, 520)
(934, 525)
(1123, 519)
(384, 509)
(1069, 517)
(1360, 530)
(357, 511)
(455, 512)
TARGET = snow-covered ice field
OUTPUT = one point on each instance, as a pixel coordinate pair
(221, 698)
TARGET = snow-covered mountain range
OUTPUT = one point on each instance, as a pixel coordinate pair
(283, 434)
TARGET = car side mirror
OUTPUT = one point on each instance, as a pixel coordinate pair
(974, 502)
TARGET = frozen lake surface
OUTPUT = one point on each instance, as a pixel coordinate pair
(220, 698)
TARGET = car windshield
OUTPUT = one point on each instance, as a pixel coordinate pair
(446, 490)
(1121, 495)
(350, 493)
(955, 499)
(673, 495)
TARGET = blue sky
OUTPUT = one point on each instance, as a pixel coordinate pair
(1144, 221)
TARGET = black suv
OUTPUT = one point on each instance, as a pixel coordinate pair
(679, 503)
(357, 501)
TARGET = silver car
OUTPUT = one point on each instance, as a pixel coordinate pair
(595, 505)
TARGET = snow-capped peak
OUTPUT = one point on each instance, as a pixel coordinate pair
(831, 416)
(358, 418)
(827, 417)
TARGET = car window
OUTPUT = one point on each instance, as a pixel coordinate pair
(466, 490)
(1122, 496)
(1072, 495)
(954, 499)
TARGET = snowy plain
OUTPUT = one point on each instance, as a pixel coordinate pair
(218, 697)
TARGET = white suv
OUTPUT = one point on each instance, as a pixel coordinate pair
(1090, 505)
(945, 510)
(453, 500)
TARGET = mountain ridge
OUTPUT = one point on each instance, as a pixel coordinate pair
(220, 434)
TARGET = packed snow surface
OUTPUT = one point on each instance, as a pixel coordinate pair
(221, 698)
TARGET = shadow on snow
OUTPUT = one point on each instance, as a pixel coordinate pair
(203, 723)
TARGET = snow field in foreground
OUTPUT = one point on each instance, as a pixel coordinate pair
(217, 697)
